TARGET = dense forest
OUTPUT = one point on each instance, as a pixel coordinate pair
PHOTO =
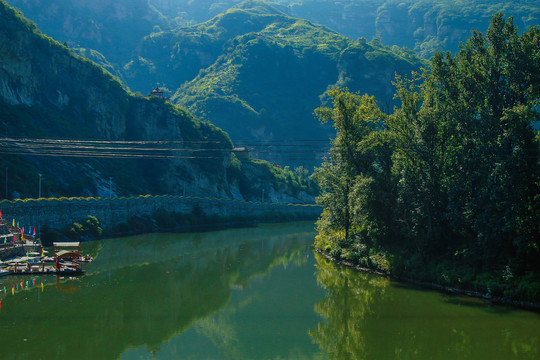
(445, 188)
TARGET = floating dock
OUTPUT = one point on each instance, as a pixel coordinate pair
(67, 260)
(47, 270)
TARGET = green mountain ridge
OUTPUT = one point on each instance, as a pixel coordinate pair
(258, 73)
(267, 81)
(177, 56)
(425, 26)
(253, 69)
(48, 92)
(216, 69)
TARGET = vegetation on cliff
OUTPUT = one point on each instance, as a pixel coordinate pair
(273, 69)
(424, 26)
(96, 137)
(224, 69)
(446, 187)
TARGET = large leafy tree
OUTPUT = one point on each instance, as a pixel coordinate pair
(490, 93)
(347, 177)
(453, 173)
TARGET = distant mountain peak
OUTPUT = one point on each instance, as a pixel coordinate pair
(259, 7)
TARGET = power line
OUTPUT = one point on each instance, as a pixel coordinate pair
(287, 149)
(275, 150)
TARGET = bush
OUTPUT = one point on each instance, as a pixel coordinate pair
(89, 229)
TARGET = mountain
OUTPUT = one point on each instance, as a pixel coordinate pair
(189, 12)
(67, 119)
(176, 56)
(114, 28)
(252, 69)
(258, 72)
(257, 69)
(425, 26)
(268, 72)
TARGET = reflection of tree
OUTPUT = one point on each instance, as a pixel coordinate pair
(350, 295)
(364, 316)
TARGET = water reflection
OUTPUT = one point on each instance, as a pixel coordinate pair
(257, 293)
(143, 291)
(369, 317)
(350, 296)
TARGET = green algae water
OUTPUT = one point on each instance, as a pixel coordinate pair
(250, 293)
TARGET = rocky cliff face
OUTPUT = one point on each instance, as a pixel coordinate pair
(51, 92)
(106, 137)
(37, 71)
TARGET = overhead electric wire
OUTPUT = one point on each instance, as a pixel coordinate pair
(273, 150)
(163, 149)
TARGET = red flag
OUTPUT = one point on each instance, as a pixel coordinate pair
(0, 214)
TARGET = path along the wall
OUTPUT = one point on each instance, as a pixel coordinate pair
(62, 212)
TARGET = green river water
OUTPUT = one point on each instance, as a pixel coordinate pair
(250, 293)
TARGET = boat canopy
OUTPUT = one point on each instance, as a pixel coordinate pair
(66, 254)
(66, 244)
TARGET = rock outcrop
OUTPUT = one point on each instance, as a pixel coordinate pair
(47, 91)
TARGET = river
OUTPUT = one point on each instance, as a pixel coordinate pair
(249, 293)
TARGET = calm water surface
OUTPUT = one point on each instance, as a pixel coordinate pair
(252, 293)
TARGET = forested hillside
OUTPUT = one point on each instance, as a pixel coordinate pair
(252, 70)
(66, 118)
(424, 26)
(258, 73)
(217, 59)
(446, 188)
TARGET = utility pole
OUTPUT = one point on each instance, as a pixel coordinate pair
(39, 191)
(110, 186)
(262, 195)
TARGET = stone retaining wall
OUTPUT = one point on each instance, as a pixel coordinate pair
(15, 251)
(60, 213)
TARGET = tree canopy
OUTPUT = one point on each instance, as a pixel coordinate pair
(449, 181)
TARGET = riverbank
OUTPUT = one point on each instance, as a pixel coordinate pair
(498, 300)
(76, 217)
(163, 220)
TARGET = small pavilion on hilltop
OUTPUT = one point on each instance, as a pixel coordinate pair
(157, 93)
